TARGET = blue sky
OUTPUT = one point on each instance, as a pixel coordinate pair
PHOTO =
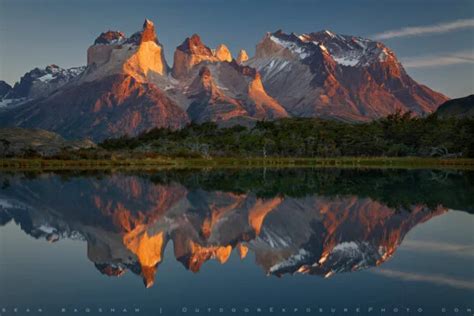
(438, 53)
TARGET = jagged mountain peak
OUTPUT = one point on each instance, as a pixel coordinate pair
(140, 55)
(315, 74)
(336, 75)
(148, 32)
(110, 37)
(190, 53)
(223, 53)
(349, 51)
(41, 81)
(242, 57)
(194, 45)
(148, 23)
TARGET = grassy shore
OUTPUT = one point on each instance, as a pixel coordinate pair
(166, 162)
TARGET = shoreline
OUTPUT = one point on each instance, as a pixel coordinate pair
(19, 164)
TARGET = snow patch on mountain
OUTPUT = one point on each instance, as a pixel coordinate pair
(292, 46)
(292, 261)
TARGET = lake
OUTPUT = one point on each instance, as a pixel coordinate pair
(237, 242)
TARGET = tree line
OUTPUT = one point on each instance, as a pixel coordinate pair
(396, 135)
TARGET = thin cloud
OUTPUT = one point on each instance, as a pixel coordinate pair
(426, 29)
(462, 57)
(438, 279)
(429, 246)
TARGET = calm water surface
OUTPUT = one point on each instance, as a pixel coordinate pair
(170, 241)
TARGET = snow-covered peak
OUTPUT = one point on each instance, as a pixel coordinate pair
(349, 51)
(39, 82)
(293, 46)
(352, 51)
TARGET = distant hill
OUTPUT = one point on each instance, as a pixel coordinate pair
(461, 107)
(24, 142)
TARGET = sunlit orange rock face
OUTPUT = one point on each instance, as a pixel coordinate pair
(350, 234)
(148, 251)
(222, 53)
(265, 106)
(131, 221)
(119, 93)
(242, 57)
(134, 219)
(200, 254)
(137, 56)
(190, 53)
(259, 211)
(127, 86)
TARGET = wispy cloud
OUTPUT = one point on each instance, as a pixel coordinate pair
(426, 29)
(430, 246)
(429, 278)
(462, 57)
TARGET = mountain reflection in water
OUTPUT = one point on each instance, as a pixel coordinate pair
(310, 221)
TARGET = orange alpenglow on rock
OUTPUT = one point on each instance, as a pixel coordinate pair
(148, 33)
(148, 251)
(260, 210)
(149, 56)
(200, 254)
(242, 57)
(217, 213)
(266, 106)
(223, 53)
(190, 53)
(137, 56)
(243, 250)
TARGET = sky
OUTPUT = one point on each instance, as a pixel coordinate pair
(434, 39)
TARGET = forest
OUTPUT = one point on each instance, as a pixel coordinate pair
(398, 135)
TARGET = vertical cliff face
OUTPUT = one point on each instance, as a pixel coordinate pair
(113, 96)
(137, 56)
(190, 53)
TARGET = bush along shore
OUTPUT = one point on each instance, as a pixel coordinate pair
(397, 140)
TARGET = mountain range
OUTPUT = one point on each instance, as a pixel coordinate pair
(127, 222)
(127, 86)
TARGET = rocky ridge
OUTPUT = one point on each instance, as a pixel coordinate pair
(127, 86)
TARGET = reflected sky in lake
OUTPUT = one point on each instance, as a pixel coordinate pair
(164, 240)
